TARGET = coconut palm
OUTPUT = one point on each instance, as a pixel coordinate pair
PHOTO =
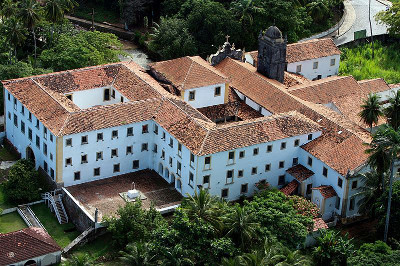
(293, 258)
(245, 10)
(8, 9)
(137, 254)
(176, 257)
(387, 139)
(392, 111)
(29, 15)
(317, 10)
(201, 205)
(270, 254)
(54, 10)
(241, 226)
(14, 34)
(235, 261)
(371, 110)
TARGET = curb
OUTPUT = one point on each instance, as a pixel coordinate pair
(351, 15)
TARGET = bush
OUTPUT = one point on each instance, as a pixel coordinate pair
(23, 184)
(378, 253)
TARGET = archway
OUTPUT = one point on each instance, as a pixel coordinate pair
(30, 155)
(166, 174)
(30, 263)
(160, 169)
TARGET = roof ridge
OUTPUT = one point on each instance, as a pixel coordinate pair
(204, 142)
(64, 125)
(33, 237)
(209, 67)
(319, 82)
(187, 73)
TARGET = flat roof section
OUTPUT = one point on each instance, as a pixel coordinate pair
(104, 194)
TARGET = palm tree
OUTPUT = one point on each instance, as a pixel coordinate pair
(245, 10)
(29, 15)
(54, 10)
(294, 258)
(387, 139)
(317, 10)
(371, 110)
(78, 260)
(8, 9)
(137, 254)
(392, 112)
(14, 34)
(242, 226)
(202, 205)
(271, 253)
(379, 160)
(176, 257)
(235, 261)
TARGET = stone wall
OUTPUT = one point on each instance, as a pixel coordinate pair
(75, 212)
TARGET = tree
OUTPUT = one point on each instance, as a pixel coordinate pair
(391, 18)
(245, 10)
(171, 39)
(22, 184)
(388, 140)
(371, 110)
(317, 10)
(133, 11)
(8, 9)
(78, 260)
(82, 49)
(14, 34)
(392, 111)
(377, 253)
(137, 254)
(54, 10)
(382, 210)
(176, 256)
(29, 15)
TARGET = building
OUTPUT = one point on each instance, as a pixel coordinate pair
(225, 127)
(29, 246)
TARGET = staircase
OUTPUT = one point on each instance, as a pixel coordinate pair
(53, 200)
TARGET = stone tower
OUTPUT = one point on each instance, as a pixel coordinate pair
(272, 54)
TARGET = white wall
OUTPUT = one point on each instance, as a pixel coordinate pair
(204, 96)
(324, 67)
(88, 98)
(253, 104)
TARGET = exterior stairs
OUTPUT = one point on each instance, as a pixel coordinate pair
(53, 200)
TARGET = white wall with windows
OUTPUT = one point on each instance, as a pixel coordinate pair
(316, 68)
(205, 96)
(253, 104)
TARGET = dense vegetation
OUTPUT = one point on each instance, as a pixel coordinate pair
(358, 62)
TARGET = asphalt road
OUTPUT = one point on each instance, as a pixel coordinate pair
(361, 22)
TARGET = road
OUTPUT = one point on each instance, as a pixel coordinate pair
(361, 21)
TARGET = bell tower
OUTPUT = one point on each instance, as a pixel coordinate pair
(272, 54)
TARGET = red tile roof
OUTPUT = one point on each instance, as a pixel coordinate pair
(374, 85)
(290, 188)
(189, 72)
(319, 224)
(326, 191)
(300, 172)
(25, 244)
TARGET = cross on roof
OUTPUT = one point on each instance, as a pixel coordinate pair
(227, 38)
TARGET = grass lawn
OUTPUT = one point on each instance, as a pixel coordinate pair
(101, 14)
(6, 155)
(357, 61)
(11, 222)
(56, 230)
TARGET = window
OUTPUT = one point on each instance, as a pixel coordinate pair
(99, 155)
(298, 68)
(9, 97)
(309, 162)
(170, 161)
(77, 176)
(99, 136)
(68, 161)
(51, 137)
(51, 156)
(207, 162)
(333, 61)
(114, 134)
(69, 96)
(9, 115)
(37, 123)
(156, 129)
(68, 142)
(22, 110)
(129, 150)
(135, 164)
(15, 104)
(295, 161)
(254, 170)
(255, 151)
(309, 189)
(144, 146)
(179, 149)
(217, 91)
(206, 179)
(52, 173)
(268, 167)
(145, 129)
(325, 171)
(30, 116)
(155, 148)
(281, 180)
(191, 178)
(113, 93)
(243, 188)
(340, 183)
(354, 185)
(241, 154)
(337, 203)
(171, 143)
(44, 133)
(106, 94)
(178, 183)
(84, 140)
(22, 127)
(229, 176)
(15, 120)
(224, 193)
(114, 153)
(84, 158)
(283, 145)
(163, 154)
(116, 168)
(192, 95)
(178, 168)
(269, 148)
(240, 173)
(191, 159)
(296, 142)
(231, 157)
(309, 136)
(96, 171)
(129, 131)
(37, 141)
(122, 99)
(45, 149)
(315, 65)
(30, 134)
(163, 135)
(281, 164)
(352, 203)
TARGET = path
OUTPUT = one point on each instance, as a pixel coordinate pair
(361, 21)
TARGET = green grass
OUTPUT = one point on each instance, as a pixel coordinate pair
(6, 155)
(56, 230)
(358, 62)
(101, 14)
(11, 222)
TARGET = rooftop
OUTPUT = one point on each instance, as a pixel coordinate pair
(326, 191)
(104, 194)
(290, 188)
(300, 172)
